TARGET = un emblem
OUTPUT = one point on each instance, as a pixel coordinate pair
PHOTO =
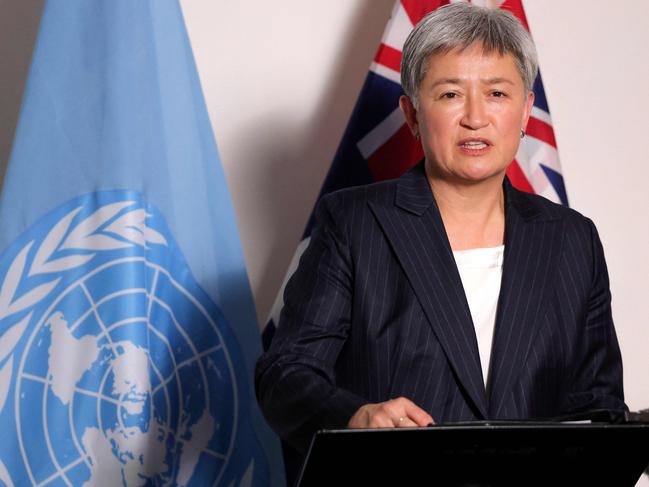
(115, 367)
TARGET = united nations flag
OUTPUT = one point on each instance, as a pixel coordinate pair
(127, 329)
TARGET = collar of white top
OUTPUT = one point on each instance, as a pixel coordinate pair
(480, 258)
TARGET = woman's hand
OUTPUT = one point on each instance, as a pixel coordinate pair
(395, 413)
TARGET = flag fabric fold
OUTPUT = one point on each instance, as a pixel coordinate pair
(128, 334)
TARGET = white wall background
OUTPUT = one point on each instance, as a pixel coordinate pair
(280, 81)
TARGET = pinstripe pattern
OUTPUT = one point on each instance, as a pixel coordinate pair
(377, 310)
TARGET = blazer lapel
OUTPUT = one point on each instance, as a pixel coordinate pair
(532, 243)
(416, 232)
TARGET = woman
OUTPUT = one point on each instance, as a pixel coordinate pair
(447, 295)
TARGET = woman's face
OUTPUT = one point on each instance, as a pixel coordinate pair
(472, 107)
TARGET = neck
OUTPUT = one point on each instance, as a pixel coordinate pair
(474, 214)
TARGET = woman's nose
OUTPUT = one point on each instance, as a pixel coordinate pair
(475, 113)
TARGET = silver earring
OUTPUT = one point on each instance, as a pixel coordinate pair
(417, 135)
(522, 133)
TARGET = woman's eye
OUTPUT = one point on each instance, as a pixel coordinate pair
(498, 94)
(449, 95)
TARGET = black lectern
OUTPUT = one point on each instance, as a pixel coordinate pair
(482, 454)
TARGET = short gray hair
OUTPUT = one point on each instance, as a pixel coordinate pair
(459, 25)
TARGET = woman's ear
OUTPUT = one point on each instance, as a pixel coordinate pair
(529, 104)
(410, 112)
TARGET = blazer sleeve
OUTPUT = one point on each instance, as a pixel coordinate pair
(295, 380)
(597, 371)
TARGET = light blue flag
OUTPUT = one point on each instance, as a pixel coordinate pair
(127, 329)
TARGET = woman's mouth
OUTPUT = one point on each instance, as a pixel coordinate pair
(474, 146)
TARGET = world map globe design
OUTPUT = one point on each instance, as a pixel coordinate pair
(126, 378)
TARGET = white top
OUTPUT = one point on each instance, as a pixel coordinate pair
(481, 272)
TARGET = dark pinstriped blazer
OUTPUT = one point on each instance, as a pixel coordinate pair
(377, 310)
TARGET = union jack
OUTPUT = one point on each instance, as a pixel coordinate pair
(377, 144)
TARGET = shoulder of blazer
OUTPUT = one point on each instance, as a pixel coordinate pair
(533, 207)
(410, 192)
(344, 205)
